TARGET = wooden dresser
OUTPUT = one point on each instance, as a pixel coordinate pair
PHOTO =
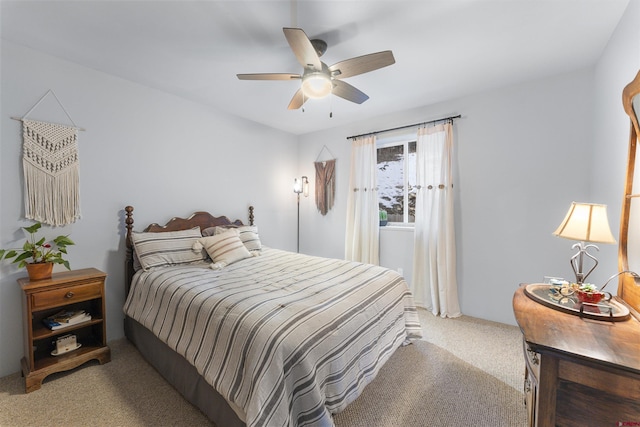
(579, 372)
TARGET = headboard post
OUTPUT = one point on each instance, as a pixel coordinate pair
(128, 211)
(250, 215)
(128, 260)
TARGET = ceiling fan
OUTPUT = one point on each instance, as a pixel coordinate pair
(319, 80)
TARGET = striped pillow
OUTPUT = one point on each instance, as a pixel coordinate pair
(167, 248)
(248, 235)
(225, 248)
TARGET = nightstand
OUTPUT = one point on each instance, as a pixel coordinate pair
(70, 290)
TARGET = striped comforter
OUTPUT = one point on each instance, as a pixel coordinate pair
(286, 338)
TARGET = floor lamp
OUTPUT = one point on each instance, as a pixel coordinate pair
(300, 186)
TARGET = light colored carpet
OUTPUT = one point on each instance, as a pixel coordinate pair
(496, 348)
(477, 380)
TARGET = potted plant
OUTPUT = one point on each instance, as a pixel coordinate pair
(383, 217)
(38, 256)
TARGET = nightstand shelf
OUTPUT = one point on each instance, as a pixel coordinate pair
(42, 332)
(72, 290)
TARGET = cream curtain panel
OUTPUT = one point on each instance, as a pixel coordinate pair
(361, 241)
(434, 265)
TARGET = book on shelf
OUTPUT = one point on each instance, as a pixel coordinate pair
(66, 318)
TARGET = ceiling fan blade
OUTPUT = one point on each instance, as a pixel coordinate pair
(348, 92)
(269, 76)
(302, 48)
(361, 64)
(297, 100)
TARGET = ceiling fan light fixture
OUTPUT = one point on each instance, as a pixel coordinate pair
(316, 85)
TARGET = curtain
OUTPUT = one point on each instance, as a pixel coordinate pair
(434, 265)
(361, 241)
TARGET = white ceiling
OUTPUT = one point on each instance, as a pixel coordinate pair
(443, 48)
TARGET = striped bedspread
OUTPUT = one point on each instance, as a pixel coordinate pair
(287, 338)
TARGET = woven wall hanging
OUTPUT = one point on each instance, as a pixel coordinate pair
(325, 182)
(51, 170)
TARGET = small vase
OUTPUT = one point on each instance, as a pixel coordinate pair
(39, 271)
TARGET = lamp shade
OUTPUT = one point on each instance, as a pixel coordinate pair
(316, 85)
(301, 186)
(586, 222)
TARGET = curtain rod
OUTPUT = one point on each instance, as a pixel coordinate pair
(444, 119)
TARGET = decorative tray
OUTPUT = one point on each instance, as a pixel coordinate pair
(548, 295)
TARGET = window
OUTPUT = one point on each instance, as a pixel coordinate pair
(397, 178)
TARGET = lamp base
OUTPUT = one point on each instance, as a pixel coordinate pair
(577, 261)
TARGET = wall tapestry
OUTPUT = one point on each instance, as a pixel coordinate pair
(51, 172)
(325, 185)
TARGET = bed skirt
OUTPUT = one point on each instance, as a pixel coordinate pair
(181, 375)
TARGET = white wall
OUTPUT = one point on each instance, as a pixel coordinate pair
(520, 155)
(162, 154)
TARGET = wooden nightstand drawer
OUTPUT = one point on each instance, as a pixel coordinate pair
(66, 295)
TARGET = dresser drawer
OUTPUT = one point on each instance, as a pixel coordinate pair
(66, 295)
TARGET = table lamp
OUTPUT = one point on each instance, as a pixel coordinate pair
(585, 222)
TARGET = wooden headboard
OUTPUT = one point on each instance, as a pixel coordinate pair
(628, 285)
(200, 219)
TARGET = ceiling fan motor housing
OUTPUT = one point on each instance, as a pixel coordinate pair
(315, 83)
(319, 45)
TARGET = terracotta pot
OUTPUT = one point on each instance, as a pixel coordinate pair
(40, 270)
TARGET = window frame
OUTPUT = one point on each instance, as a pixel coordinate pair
(403, 139)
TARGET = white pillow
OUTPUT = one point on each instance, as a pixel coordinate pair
(248, 235)
(167, 248)
(224, 249)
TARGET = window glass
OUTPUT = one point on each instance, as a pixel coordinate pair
(396, 180)
(411, 181)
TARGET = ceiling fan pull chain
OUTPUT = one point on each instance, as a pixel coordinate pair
(331, 102)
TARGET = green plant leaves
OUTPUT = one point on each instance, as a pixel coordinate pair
(39, 251)
(33, 228)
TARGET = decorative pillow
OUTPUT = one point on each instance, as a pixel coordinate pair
(224, 249)
(248, 235)
(167, 248)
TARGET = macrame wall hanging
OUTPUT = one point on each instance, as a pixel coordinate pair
(51, 170)
(325, 182)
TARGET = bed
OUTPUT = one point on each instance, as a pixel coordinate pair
(256, 336)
